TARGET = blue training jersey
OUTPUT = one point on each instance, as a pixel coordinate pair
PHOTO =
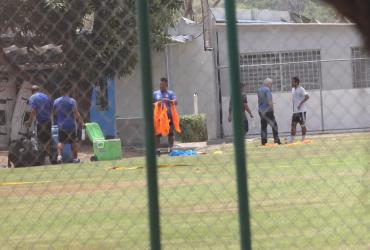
(160, 95)
(64, 109)
(43, 106)
(264, 96)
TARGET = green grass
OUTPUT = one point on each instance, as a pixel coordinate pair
(312, 196)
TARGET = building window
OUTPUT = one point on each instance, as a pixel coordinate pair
(360, 68)
(101, 88)
(281, 67)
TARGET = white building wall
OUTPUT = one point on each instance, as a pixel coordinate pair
(128, 90)
(334, 41)
(343, 109)
(190, 70)
(341, 105)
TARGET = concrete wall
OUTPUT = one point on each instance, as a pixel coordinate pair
(195, 75)
(189, 69)
(342, 109)
(340, 102)
(128, 89)
(333, 40)
(131, 131)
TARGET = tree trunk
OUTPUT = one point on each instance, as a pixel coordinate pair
(217, 2)
(189, 12)
(82, 94)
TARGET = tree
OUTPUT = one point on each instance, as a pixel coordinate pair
(98, 37)
(313, 9)
(358, 11)
(188, 9)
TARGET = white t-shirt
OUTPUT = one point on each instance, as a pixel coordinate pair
(299, 94)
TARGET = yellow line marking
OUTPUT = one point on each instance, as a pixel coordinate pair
(124, 168)
(173, 166)
(22, 183)
(139, 167)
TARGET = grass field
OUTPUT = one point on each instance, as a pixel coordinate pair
(314, 196)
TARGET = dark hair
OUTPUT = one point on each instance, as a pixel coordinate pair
(65, 87)
(296, 79)
(164, 79)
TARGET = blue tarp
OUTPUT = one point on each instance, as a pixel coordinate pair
(183, 153)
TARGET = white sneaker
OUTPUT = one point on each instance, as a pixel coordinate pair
(291, 139)
(59, 159)
(76, 160)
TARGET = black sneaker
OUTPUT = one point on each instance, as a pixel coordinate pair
(278, 142)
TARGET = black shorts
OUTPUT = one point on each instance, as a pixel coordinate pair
(171, 133)
(246, 125)
(299, 118)
(68, 137)
(44, 132)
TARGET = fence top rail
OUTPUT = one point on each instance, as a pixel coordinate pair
(300, 62)
(240, 23)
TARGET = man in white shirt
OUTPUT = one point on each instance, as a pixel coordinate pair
(300, 98)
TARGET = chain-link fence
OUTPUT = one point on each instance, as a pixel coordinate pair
(76, 110)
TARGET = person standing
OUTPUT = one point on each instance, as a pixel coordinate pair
(66, 112)
(245, 109)
(266, 111)
(166, 97)
(299, 98)
(41, 107)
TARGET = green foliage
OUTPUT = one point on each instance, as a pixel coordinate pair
(313, 9)
(264, 4)
(194, 128)
(320, 11)
(98, 37)
(107, 47)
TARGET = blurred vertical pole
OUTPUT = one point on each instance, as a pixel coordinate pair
(238, 116)
(151, 165)
(322, 104)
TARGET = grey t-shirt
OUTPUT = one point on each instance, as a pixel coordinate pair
(264, 96)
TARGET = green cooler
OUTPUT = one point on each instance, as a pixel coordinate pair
(104, 150)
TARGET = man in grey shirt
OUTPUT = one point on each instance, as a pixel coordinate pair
(266, 111)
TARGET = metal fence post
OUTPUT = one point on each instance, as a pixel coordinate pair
(151, 165)
(234, 71)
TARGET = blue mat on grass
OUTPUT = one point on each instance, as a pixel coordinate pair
(183, 153)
